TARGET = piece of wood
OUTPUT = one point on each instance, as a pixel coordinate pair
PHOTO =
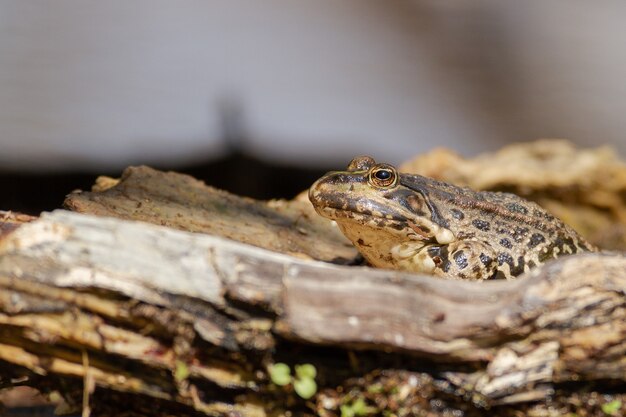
(193, 321)
(10, 221)
(185, 203)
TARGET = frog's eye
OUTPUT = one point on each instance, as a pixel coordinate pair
(384, 176)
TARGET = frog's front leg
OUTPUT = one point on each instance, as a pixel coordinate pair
(465, 259)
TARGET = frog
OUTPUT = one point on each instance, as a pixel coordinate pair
(414, 223)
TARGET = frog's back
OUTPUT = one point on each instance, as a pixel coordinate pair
(420, 224)
(524, 233)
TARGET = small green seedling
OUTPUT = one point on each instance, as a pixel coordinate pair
(611, 408)
(182, 371)
(303, 382)
(280, 374)
(355, 409)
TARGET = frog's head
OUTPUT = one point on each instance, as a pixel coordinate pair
(378, 208)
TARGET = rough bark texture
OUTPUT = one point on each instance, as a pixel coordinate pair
(126, 315)
(184, 203)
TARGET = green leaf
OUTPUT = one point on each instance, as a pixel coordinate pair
(306, 370)
(305, 387)
(182, 371)
(359, 407)
(612, 407)
(346, 411)
(280, 374)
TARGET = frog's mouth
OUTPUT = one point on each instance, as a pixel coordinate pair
(399, 225)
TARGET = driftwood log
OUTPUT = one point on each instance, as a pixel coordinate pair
(128, 318)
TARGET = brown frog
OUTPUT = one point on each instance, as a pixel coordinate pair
(414, 223)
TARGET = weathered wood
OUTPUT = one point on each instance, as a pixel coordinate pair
(185, 203)
(144, 303)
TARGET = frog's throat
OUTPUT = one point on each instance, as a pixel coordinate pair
(407, 228)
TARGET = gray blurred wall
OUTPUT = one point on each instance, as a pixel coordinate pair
(86, 84)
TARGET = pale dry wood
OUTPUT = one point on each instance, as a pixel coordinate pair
(154, 298)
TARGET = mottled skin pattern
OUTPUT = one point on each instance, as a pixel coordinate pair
(414, 223)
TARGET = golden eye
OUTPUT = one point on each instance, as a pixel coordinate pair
(383, 176)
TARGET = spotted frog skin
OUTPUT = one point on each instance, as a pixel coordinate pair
(414, 223)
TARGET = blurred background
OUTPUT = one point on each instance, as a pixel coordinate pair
(262, 97)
